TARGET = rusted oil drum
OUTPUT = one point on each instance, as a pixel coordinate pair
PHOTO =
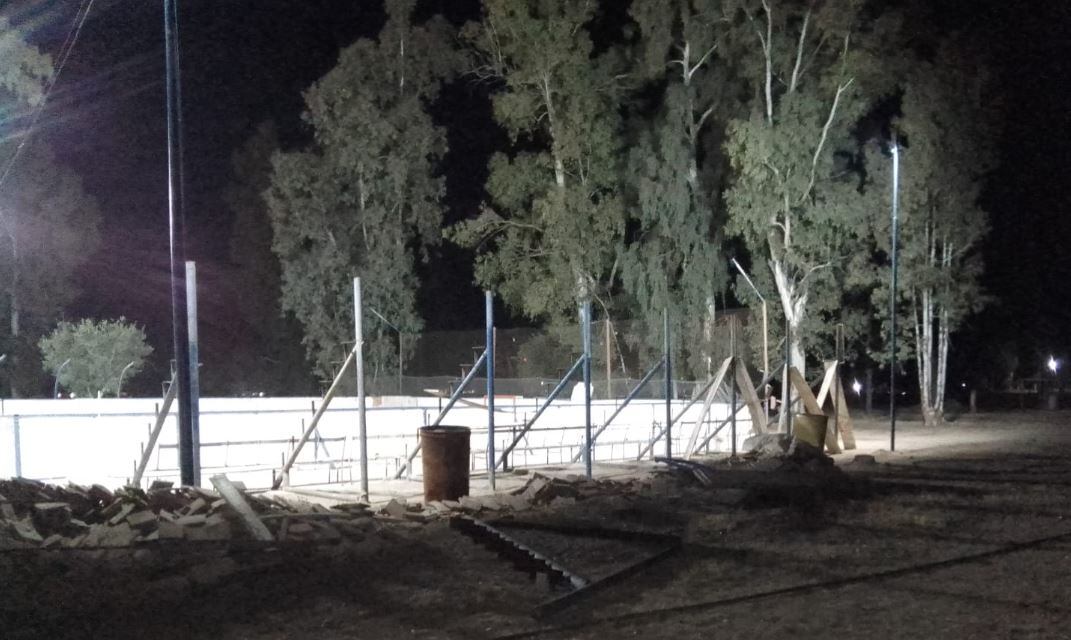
(445, 453)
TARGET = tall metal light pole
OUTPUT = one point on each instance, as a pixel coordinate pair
(177, 238)
(892, 296)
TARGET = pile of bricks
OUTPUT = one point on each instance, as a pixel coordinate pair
(38, 515)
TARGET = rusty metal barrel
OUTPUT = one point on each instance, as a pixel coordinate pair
(445, 455)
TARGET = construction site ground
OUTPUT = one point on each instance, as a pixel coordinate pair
(964, 532)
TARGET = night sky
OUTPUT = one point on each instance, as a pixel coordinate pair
(245, 61)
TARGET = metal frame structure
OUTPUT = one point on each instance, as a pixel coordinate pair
(583, 363)
(486, 360)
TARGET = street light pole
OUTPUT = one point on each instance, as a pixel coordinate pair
(55, 386)
(892, 297)
(119, 388)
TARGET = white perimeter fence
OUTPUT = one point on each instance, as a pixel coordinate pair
(100, 440)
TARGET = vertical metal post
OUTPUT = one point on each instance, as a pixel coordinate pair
(195, 378)
(18, 447)
(489, 312)
(669, 383)
(177, 237)
(585, 334)
(786, 406)
(400, 363)
(362, 425)
(892, 298)
(732, 382)
(609, 364)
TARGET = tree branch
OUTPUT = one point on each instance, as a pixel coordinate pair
(799, 50)
(822, 140)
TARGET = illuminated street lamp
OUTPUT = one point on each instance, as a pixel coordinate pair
(1053, 365)
(857, 387)
(892, 295)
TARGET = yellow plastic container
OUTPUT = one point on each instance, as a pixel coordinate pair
(810, 428)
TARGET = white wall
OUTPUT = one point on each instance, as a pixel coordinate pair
(99, 440)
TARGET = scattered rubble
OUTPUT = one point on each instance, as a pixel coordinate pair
(34, 514)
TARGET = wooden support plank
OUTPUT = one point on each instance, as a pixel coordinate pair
(811, 406)
(810, 403)
(751, 398)
(832, 370)
(847, 429)
(237, 501)
(719, 377)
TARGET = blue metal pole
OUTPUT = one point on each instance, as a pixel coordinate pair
(585, 331)
(490, 366)
(669, 384)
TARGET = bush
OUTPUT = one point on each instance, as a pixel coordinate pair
(95, 353)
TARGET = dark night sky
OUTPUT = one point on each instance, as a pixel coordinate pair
(248, 60)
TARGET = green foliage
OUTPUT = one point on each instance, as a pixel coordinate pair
(96, 353)
(675, 258)
(795, 201)
(550, 231)
(365, 199)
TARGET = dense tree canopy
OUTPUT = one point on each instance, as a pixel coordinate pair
(364, 199)
(550, 232)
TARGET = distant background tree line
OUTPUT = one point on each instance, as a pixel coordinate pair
(641, 153)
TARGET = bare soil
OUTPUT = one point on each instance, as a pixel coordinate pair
(964, 532)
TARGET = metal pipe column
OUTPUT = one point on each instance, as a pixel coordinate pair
(362, 424)
(195, 377)
(585, 334)
(490, 368)
(669, 384)
(177, 239)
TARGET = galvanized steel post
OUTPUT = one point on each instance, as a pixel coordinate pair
(358, 348)
(585, 334)
(669, 384)
(18, 446)
(195, 380)
(489, 367)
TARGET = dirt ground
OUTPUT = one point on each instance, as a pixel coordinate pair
(964, 532)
